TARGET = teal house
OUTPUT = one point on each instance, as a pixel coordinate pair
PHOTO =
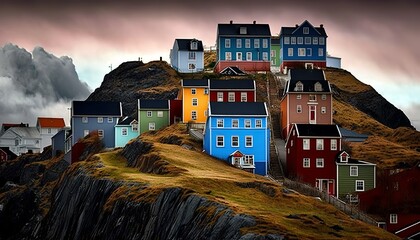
(126, 129)
(153, 114)
(353, 176)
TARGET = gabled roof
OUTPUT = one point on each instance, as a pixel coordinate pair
(275, 41)
(153, 104)
(351, 136)
(185, 45)
(308, 86)
(243, 84)
(234, 29)
(237, 109)
(307, 74)
(350, 160)
(291, 30)
(317, 130)
(231, 70)
(45, 122)
(125, 121)
(194, 82)
(96, 108)
(24, 132)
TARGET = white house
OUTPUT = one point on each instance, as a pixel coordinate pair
(187, 55)
(47, 128)
(21, 140)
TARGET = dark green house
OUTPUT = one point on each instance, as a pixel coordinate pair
(153, 114)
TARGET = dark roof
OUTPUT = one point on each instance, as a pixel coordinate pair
(350, 160)
(184, 45)
(229, 29)
(238, 108)
(290, 30)
(351, 136)
(231, 70)
(125, 120)
(275, 41)
(308, 86)
(194, 82)
(232, 84)
(153, 104)
(307, 74)
(315, 130)
(96, 108)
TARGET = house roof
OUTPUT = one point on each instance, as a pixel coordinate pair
(253, 29)
(290, 30)
(194, 82)
(96, 108)
(153, 104)
(45, 122)
(238, 108)
(25, 132)
(308, 86)
(275, 41)
(125, 121)
(317, 130)
(307, 74)
(232, 70)
(185, 45)
(351, 136)
(232, 84)
(351, 160)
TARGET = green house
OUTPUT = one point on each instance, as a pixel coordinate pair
(153, 114)
(275, 54)
(353, 176)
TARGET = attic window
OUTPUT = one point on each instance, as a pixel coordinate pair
(299, 87)
(242, 30)
(318, 87)
(305, 30)
(193, 45)
(344, 157)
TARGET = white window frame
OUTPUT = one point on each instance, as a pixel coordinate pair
(249, 141)
(306, 163)
(298, 108)
(247, 43)
(308, 40)
(320, 52)
(265, 56)
(393, 218)
(272, 53)
(191, 66)
(320, 144)
(300, 40)
(293, 40)
(321, 41)
(110, 120)
(101, 133)
(220, 123)
(305, 30)
(286, 40)
(193, 91)
(85, 119)
(244, 96)
(159, 114)
(256, 43)
(239, 56)
(228, 56)
(238, 43)
(135, 127)
(354, 171)
(357, 185)
(249, 160)
(333, 144)
(235, 141)
(299, 96)
(124, 131)
(324, 96)
(315, 40)
(231, 96)
(299, 87)
(258, 123)
(249, 56)
(194, 115)
(220, 141)
(227, 43)
(323, 110)
(319, 162)
(220, 96)
(191, 55)
(206, 91)
(247, 123)
(100, 119)
(195, 101)
(152, 126)
(306, 143)
(301, 52)
(290, 52)
(312, 98)
(149, 114)
(235, 123)
(265, 43)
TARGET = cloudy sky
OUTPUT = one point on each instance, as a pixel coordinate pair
(377, 40)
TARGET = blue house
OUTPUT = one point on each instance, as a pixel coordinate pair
(303, 46)
(89, 116)
(246, 46)
(126, 129)
(187, 55)
(238, 133)
(58, 140)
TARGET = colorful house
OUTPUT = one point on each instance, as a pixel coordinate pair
(58, 141)
(21, 140)
(100, 116)
(353, 176)
(187, 55)
(47, 128)
(6, 154)
(126, 129)
(307, 98)
(311, 150)
(232, 90)
(246, 46)
(303, 46)
(238, 133)
(175, 111)
(195, 99)
(275, 54)
(153, 114)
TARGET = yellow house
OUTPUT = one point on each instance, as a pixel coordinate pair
(195, 100)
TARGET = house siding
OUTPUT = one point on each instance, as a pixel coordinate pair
(250, 95)
(58, 142)
(93, 125)
(160, 122)
(347, 183)
(201, 108)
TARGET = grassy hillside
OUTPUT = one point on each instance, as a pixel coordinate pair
(275, 210)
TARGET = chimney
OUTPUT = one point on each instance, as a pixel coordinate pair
(297, 25)
(254, 22)
(322, 25)
(231, 21)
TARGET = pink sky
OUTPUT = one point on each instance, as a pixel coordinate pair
(378, 42)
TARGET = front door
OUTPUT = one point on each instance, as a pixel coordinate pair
(312, 114)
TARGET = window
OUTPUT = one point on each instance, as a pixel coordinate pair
(321, 41)
(306, 30)
(312, 98)
(320, 52)
(293, 40)
(265, 43)
(247, 43)
(235, 123)
(231, 97)
(265, 56)
(320, 144)
(194, 115)
(272, 53)
(228, 56)
(324, 97)
(273, 61)
(307, 40)
(135, 127)
(301, 52)
(205, 113)
(319, 162)
(191, 66)
(306, 162)
(323, 110)
(257, 43)
(299, 96)
(360, 185)
(318, 87)
(286, 40)
(206, 91)
(248, 141)
(247, 123)
(85, 133)
(309, 52)
(193, 45)
(151, 126)
(191, 55)
(393, 218)
(227, 43)
(220, 141)
(306, 144)
(299, 87)
(220, 123)
(195, 102)
(220, 96)
(299, 108)
(124, 131)
(249, 160)
(49, 130)
(300, 40)
(249, 56)
(160, 114)
(235, 141)
(101, 133)
(149, 114)
(238, 56)
(258, 123)
(100, 119)
(193, 91)
(84, 119)
(242, 30)
(333, 144)
(238, 43)
(290, 52)
(244, 97)
(315, 40)
(354, 171)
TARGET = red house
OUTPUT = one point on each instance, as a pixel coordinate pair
(396, 199)
(175, 111)
(232, 90)
(6, 154)
(311, 150)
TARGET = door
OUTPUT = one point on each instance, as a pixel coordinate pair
(312, 114)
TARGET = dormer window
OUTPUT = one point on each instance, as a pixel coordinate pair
(318, 87)
(344, 157)
(299, 87)
(306, 30)
(194, 45)
(242, 30)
